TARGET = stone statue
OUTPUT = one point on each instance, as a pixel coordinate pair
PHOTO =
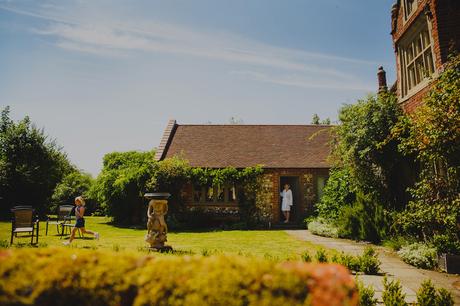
(156, 225)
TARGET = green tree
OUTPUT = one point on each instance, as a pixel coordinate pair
(31, 165)
(364, 144)
(316, 120)
(121, 185)
(76, 183)
(337, 193)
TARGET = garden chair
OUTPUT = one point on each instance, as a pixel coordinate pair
(24, 221)
(67, 221)
(64, 213)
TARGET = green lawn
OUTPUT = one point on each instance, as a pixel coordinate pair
(272, 244)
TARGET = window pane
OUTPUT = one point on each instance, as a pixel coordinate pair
(420, 69)
(198, 195)
(220, 194)
(429, 62)
(231, 194)
(426, 39)
(209, 194)
(320, 183)
(411, 71)
(410, 53)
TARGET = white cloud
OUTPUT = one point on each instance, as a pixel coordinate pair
(115, 37)
(303, 81)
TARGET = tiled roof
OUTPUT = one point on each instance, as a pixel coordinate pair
(272, 146)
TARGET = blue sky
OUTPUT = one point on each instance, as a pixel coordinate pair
(103, 76)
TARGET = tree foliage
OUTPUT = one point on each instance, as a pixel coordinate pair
(432, 133)
(121, 185)
(76, 183)
(364, 145)
(337, 193)
(31, 165)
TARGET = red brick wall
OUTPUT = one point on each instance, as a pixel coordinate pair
(305, 206)
(448, 26)
(445, 31)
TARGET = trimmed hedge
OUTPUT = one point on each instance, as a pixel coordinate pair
(85, 277)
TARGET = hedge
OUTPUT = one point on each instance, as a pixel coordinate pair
(87, 277)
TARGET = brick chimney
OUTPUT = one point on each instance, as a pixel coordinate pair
(382, 78)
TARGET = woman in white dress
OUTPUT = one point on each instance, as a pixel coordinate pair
(286, 204)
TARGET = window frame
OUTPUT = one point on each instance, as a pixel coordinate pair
(411, 78)
(318, 178)
(408, 15)
(215, 201)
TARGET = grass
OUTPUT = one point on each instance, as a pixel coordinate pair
(269, 244)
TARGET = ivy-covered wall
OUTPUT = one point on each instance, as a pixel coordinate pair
(266, 199)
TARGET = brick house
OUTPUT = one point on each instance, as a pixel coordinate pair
(294, 154)
(424, 33)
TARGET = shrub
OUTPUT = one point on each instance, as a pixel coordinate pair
(369, 262)
(427, 295)
(84, 277)
(392, 293)
(305, 256)
(350, 261)
(363, 220)
(396, 243)
(321, 255)
(321, 227)
(337, 193)
(366, 295)
(419, 255)
(445, 298)
(448, 244)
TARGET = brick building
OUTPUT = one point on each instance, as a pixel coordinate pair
(294, 154)
(424, 33)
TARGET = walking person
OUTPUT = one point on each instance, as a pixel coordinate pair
(286, 203)
(80, 221)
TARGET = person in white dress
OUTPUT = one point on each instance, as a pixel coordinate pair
(286, 203)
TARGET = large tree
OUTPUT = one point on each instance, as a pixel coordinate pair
(31, 165)
(120, 186)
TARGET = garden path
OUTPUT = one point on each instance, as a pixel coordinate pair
(391, 265)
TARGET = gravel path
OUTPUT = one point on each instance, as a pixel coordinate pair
(409, 276)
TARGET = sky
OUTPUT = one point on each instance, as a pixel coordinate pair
(104, 76)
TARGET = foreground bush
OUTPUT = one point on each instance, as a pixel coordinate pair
(392, 293)
(419, 255)
(84, 277)
(368, 263)
(428, 295)
(366, 295)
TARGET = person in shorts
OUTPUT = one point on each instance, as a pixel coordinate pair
(80, 221)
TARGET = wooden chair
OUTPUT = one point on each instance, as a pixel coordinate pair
(64, 213)
(24, 221)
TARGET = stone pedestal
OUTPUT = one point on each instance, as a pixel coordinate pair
(157, 228)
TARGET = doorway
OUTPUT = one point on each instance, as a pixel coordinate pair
(293, 182)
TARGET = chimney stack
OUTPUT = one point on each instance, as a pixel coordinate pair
(382, 78)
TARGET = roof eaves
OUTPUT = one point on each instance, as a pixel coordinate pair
(166, 140)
